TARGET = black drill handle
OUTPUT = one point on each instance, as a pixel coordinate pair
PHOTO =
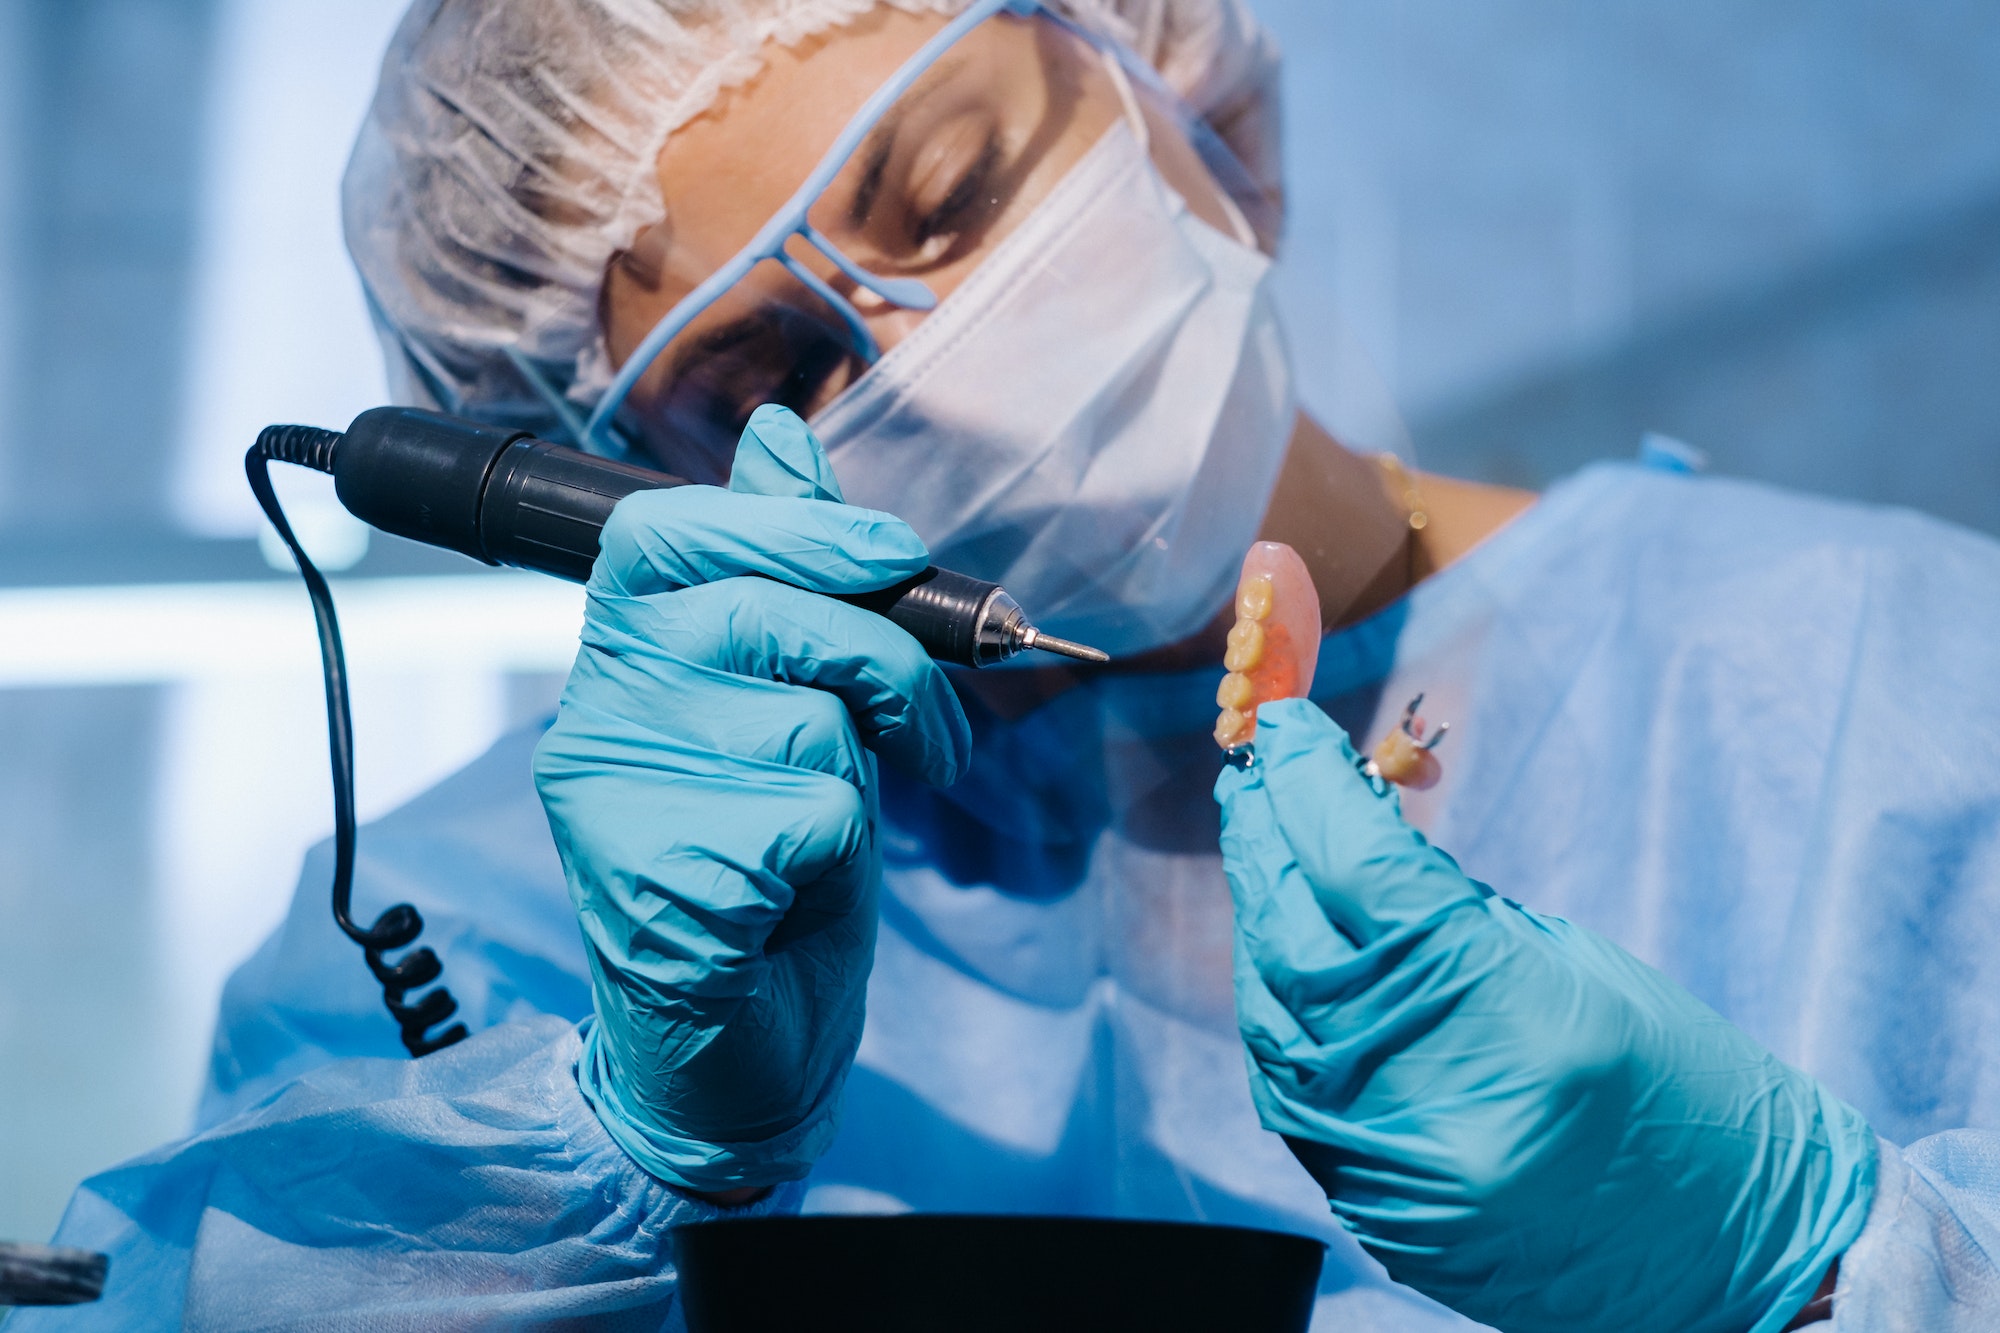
(545, 506)
(506, 498)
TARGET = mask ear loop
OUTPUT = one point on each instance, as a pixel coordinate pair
(565, 413)
(1246, 235)
(1135, 116)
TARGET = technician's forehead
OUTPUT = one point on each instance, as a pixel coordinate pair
(724, 173)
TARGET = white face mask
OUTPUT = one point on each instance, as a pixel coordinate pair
(1094, 419)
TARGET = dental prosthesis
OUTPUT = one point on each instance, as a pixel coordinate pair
(1404, 756)
(1274, 645)
(1273, 649)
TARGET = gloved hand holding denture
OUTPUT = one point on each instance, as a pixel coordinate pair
(1513, 1115)
(712, 792)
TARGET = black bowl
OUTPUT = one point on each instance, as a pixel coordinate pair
(931, 1272)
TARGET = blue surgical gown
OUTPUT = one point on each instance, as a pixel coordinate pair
(1754, 737)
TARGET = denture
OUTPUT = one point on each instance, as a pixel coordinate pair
(1274, 645)
(1404, 755)
(1273, 648)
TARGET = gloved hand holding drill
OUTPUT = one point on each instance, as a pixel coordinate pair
(712, 792)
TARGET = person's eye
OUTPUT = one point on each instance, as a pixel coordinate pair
(971, 194)
(779, 355)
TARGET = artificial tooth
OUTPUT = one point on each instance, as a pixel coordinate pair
(1236, 691)
(1232, 728)
(1254, 598)
(1246, 646)
(1398, 757)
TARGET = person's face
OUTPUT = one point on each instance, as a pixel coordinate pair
(963, 157)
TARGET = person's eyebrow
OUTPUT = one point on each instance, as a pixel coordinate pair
(881, 141)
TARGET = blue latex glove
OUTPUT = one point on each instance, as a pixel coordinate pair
(1515, 1116)
(712, 794)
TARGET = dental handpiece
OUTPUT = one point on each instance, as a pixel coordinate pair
(504, 497)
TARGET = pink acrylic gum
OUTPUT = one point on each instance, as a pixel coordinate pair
(1274, 644)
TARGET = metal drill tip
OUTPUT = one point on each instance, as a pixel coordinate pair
(1049, 643)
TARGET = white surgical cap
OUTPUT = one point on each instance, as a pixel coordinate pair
(510, 154)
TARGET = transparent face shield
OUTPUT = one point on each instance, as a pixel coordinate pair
(903, 205)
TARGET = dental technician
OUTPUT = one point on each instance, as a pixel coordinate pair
(776, 915)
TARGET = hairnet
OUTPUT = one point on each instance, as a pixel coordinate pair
(509, 155)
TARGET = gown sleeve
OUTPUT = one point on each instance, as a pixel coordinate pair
(1929, 1259)
(471, 1189)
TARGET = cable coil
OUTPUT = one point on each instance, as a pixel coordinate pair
(315, 448)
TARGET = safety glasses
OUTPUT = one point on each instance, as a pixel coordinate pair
(791, 329)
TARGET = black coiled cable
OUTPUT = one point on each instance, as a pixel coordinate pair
(312, 447)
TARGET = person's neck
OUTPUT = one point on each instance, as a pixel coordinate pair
(1337, 509)
(1331, 506)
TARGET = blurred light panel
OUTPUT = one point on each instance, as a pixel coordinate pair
(197, 708)
(154, 633)
(280, 331)
(240, 779)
